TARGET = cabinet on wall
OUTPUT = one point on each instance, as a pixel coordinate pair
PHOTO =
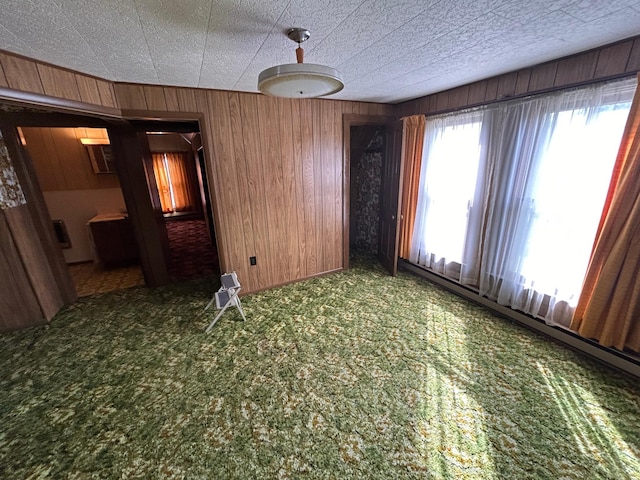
(113, 240)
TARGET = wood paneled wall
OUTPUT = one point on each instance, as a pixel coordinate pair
(25, 75)
(602, 63)
(275, 165)
(276, 174)
(34, 280)
(62, 162)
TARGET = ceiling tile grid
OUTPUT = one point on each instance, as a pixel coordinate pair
(387, 50)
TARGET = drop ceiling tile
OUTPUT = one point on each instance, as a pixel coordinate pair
(590, 10)
(235, 36)
(113, 33)
(386, 50)
(176, 58)
(530, 10)
(614, 26)
(410, 38)
(460, 12)
(44, 26)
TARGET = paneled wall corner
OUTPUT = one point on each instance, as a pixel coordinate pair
(610, 61)
(276, 176)
(31, 76)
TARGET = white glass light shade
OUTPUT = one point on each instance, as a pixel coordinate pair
(300, 80)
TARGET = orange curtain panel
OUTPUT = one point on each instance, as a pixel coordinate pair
(183, 184)
(412, 145)
(162, 181)
(176, 180)
(609, 305)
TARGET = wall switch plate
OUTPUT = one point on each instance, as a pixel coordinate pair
(252, 260)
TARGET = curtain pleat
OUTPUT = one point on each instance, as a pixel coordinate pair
(508, 195)
(162, 182)
(609, 306)
(176, 176)
(412, 142)
(182, 182)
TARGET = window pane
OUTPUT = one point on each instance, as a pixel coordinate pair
(568, 195)
(452, 157)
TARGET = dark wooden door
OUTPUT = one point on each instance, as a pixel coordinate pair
(390, 198)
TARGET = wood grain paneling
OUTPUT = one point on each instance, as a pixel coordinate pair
(277, 169)
(18, 304)
(58, 83)
(613, 59)
(187, 100)
(62, 162)
(506, 85)
(34, 261)
(171, 99)
(633, 64)
(3, 78)
(459, 97)
(107, 93)
(131, 155)
(522, 82)
(442, 100)
(576, 69)
(477, 93)
(240, 151)
(22, 74)
(491, 92)
(130, 96)
(309, 185)
(225, 182)
(276, 165)
(88, 89)
(543, 76)
(247, 125)
(273, 179)
(154, 97)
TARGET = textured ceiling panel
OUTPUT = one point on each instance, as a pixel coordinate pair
(45, 29)
(113, 32)
(160, 21)
(387, 50)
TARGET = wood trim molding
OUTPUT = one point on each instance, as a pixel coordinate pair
(30, 99)
(160, 115)
(352, 120)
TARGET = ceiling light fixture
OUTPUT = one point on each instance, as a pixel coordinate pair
(300, 80)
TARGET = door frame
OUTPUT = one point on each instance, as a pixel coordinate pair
(348, 121)
(45, 111)
(391, 197)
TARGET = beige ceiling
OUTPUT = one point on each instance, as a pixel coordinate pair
(388, 51)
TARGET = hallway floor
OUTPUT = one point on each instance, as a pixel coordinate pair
(92, 279)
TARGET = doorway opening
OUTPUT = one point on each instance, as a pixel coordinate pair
(82, 193)
(179, 191)
(367, 152)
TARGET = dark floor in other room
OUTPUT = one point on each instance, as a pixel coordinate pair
(192, 253)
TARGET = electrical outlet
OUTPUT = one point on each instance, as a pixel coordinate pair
(252, 260)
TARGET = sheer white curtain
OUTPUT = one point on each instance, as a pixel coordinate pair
(448, 176)
(552, 164)
(511, 195)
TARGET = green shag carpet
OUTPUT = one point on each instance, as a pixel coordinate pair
(356, 375)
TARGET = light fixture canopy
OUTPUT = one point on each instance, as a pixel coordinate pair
(300, 80)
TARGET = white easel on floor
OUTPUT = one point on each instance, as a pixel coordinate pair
(226, 296)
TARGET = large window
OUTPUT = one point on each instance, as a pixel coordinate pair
(511, 195)
(447, 190)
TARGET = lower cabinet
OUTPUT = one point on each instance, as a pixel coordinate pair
(113, 241)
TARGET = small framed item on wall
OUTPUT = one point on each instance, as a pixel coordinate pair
(100, 155)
